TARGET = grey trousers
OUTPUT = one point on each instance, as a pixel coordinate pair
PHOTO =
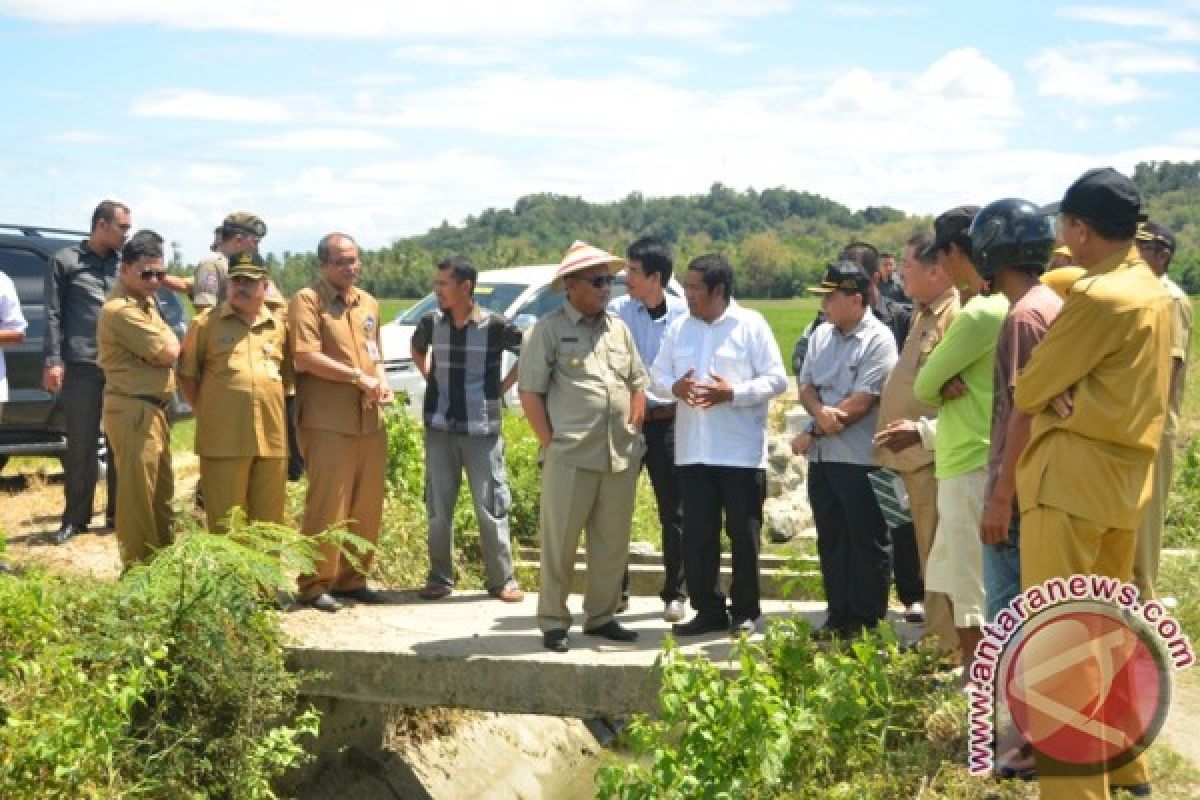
(447, 455)
(82, 400)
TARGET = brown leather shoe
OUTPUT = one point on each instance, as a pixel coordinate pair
(509, 594)
(435, 591)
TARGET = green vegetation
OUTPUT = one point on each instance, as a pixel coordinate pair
(171, 682)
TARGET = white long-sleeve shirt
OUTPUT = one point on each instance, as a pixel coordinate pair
(11, 319)
(740, 347)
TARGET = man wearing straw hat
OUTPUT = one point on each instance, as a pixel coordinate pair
(581, 384)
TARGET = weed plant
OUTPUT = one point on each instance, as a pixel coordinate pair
(1183, 505)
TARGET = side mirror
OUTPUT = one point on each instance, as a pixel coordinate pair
(525, 321)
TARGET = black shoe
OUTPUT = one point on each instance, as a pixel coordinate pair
(325, 602)
(747, 626)
(364, 595)
(555, 640)
(613, 631)
(1137, 789)
(701, 624)
(66, 533)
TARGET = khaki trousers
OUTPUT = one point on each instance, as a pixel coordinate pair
(575, 499)
(1148, 549)
(256, 485)
(141, 447)
(921, 485)
(1055, 544)
(345, 487)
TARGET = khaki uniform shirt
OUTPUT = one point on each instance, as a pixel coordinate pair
(898, 401)
(587, 371)
(1111, 345)
(212, 278)
(242, 371)
(129, 334)
(346, 329)
(1181, 340)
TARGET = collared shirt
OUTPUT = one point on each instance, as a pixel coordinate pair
(130, 333)
(839, 365)
(1024, 327)
(648, 332)
(462, 394)
(343, 326)
(967, 351)
(897, 317)
(242, 372)
(892, 290)
(739, 347)
(898, 401)
(11, 319)
(1181, 340)
(78, 281)
(587, 369)
(1110, 345)
(211, 282)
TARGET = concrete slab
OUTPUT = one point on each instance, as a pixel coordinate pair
(645, 580)
(471, 651)
(765, 560)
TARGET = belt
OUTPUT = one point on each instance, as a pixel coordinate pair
(152, 400)
(660, 413)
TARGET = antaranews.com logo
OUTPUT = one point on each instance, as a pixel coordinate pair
(1084, 670)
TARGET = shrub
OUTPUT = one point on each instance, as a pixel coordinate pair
(1182, 526)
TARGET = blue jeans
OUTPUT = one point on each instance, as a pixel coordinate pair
(1002, 569)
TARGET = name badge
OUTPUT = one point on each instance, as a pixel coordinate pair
(373, 352)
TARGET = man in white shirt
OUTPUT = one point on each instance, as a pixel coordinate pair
(723, 366)
(12, 329)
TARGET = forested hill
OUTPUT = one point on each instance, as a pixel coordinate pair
(778, 239)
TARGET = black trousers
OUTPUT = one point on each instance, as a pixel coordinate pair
(737, 493)
(852, 542)
(295, 467)
(659, 463)
(906, 565)
(82, 400)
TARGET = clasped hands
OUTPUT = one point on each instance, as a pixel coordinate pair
(713, 392)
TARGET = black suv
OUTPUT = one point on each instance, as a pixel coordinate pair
(32, 422)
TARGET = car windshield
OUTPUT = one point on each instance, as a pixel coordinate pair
(497, 297)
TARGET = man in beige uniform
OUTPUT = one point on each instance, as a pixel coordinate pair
(581, 383)
(901, 416)
(1156, 244)
(234, 370)
(137, 350)
(340, 390)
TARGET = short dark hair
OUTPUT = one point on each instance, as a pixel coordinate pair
(1121, 231)
(107, 211)
(326, 245)
(882, 256)
(143, 244)
(863, 254)
(715, 271)
(920, 243)
(463, 269)
(654, 254)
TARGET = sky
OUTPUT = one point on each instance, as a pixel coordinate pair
(383, 119)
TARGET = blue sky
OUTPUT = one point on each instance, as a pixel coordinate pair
(385, 119)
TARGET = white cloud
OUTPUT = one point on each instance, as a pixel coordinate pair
(336, 139)
(528, 20)
(212, 174)
(454, 54)
(1179, 24)
(661, 67)
(1104, 73)
(868, 10)
(83, 137)
(382, 79)
(197, 104)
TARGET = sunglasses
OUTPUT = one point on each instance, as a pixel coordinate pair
(599, 281)
(153, 274)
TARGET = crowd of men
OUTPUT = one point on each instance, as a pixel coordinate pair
(977, 426)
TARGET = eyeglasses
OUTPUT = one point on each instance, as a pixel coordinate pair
(348, 261)
(599, 281)
(153, 274)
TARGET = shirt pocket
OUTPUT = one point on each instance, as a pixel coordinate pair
(732, 363)
(682, 359)
(574, 360)
(620, 362)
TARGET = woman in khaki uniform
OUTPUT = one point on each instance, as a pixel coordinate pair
(234, 371)
(340, 389)
(137, 350)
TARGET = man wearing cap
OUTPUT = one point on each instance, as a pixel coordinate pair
(1097, 387)
(1156, 245)
(78, 281)
(722, 364)
(849, 360)
(341, 388)
(233, 370)
(137, 350)
(958, 378)
(649, 310)
(582, 388)
(459, 348)
(900, 445)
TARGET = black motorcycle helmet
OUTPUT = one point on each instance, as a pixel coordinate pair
(1011, 233)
